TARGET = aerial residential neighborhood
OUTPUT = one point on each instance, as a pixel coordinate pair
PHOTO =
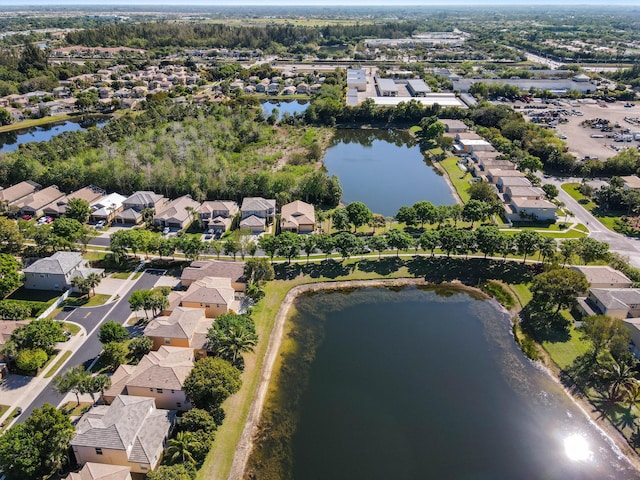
(276, 242)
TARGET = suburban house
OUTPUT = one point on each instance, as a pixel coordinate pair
(631, 182)
(107, 208)
(257, 213)
(200, 269)
(523, 208)
(133, 207)
(34, 203)
(486, 164)
(101, 471)
(7, 327)
(217, 215)
(603, 276)
(614, 302)
(89, 194)
(130, 432)
(159, 374)
(184, 327)
(178, 213)
(215, 294)
(298, 217)
(15, 192)
(57, 271)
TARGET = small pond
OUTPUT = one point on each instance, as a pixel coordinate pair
(9, 141)
(291, 107)
(384, 169)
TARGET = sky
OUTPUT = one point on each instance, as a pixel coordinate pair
(303, 3)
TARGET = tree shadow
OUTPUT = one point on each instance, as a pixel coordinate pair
(545, 326)
(384, 266)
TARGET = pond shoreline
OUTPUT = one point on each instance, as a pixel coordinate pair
(246, 442)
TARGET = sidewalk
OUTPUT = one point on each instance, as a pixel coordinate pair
(19, 390)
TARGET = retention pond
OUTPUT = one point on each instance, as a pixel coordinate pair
(412, 383)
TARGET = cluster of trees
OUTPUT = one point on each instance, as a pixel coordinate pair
(10, 279)
(210, 151)
(31, 345)
(154, 300)
(425, 212)
(230, 336)
(38, 447)
(118, 348)
(614, 197)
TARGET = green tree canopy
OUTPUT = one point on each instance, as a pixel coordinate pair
(111, 331)
(358, 214)
(559, 287)
(210, 382)
(78, 209)
(10, 279)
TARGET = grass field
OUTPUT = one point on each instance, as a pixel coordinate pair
(35, 123)
(458, 178)
(86, 301)
(58, 363)
(608, 219)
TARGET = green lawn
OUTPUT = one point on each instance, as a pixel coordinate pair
(72, 328)
(58, 363)
(458, 178)
(608, 220)
(45, 296)
(34, 123)
(564, 353)
(74, 410)
(86, 301)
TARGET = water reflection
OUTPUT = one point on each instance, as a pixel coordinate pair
(10, 141)
(577, 448)
(291, 107)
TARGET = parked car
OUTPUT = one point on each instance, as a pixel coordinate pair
(100, 224)
(166, 230)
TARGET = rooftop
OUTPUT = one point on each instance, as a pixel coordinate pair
(58, 263)
(603, 274)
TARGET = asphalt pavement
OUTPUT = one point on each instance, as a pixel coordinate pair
(91, 318)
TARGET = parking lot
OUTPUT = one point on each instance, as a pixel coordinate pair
(579, 139)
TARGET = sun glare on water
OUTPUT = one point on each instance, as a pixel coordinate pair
(577, 448)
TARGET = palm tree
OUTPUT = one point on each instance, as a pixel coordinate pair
(619, 375)
(92, 281)
(99, 383)
(180, 448)
(236, 341)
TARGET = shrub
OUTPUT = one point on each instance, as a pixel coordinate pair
(31, 360)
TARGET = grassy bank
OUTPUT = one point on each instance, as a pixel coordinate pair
(458, 178)
(470, 272)
(35, 122)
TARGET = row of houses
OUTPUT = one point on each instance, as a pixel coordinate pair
(520, 198)
(256, 213)
(129, 432)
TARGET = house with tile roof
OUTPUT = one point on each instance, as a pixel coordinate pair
(134, 205)
(57, 271)
(159, 374)
(257, 213)
(298, 217)
(603, 276)
(130, 432)
(101, 471)
(7, 327)
(89, 194)
(200, 269)
(215, 294)
(20, 190)
(34, 203)
(217, 215)
(183, 327)
(178, 213)
(614, 302)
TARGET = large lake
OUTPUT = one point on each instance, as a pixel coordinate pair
(9, 141)
(384, 169)
(411, 384)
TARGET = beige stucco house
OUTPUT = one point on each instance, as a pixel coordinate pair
(298, 217)
(183, 327)
(159, 374)
(199, 269)
(101, 471)
(130, 432)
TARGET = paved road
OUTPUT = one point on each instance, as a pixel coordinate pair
(100, 241)
(629, 247)
(91, 318)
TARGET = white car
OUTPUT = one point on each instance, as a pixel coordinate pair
(100, 224)
(166, 230)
